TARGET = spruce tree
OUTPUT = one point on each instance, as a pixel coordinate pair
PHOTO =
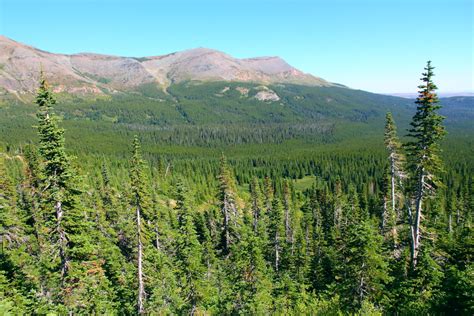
(423, 151)
(141, 203)
(67, 253)
(248, 273)
(362, 268)
(188, 254)
(58, 191)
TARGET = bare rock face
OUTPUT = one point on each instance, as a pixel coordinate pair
(115, 72)
(200, 64)
(265, 94)
(20, 67)
(102, 74)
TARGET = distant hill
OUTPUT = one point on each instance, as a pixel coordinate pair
(459, 111)
(459, 102)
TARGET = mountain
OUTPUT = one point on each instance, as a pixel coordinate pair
(88, 73)
(195, 97)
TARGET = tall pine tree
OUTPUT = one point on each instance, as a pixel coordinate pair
(423, 151)
(67, 253)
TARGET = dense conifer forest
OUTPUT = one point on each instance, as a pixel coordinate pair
(287, 217)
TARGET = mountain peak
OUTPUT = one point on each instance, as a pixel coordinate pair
(203, 50)
(96, 73)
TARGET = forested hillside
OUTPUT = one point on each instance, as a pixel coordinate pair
(206, 200)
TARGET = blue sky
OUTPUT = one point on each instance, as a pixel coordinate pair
(377, 45)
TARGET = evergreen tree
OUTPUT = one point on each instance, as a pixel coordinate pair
(363, 271)
(68, 252)
(56, 172)
(421, 292)
(14, 256)
(141, 203)
(251, 287)
(424, 162)
(189, 255)
(458, 282)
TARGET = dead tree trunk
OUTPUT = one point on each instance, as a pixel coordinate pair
(288, 228)
(392, 180)
(227, 210)
(393, 200)
(62, 238)
(450, 222)
(415, 231)
(277, 251)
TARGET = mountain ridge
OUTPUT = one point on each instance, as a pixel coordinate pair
(92, 73)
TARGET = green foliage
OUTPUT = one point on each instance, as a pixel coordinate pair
(363, 270)
(189, 254)
(140, 195)
(427, 131)
(66, 252)
(286, 222)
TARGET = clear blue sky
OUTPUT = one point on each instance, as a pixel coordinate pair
(378, 45)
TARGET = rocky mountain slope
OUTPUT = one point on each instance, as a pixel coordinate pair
(87, 73)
